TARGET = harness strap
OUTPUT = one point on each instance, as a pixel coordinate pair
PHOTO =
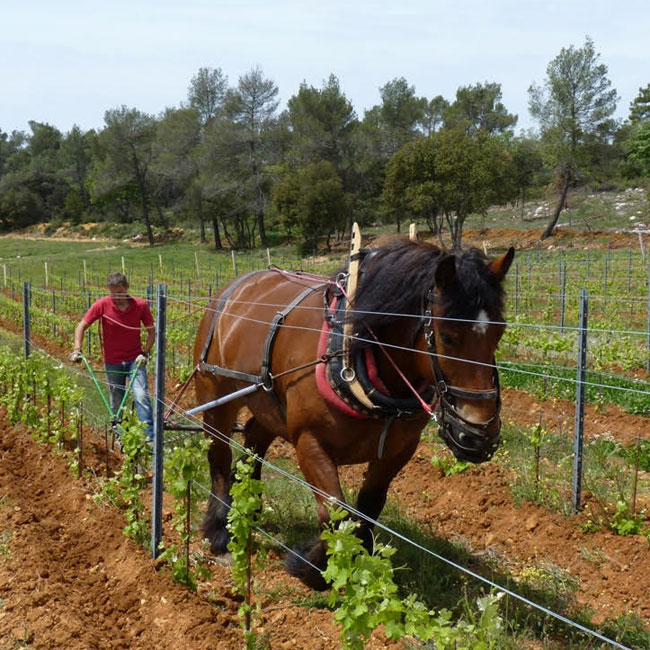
(265, 378)
(469, 393)
(232, 374)
(277, 322)
(219, 308)
(384, 433)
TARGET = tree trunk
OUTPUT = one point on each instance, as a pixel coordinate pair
(553, 222)
(201, 221)
(143, 199)
(217, 237)
(161, 215)
(259, 199)
(260, 226)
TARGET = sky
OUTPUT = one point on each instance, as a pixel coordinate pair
(65, 62)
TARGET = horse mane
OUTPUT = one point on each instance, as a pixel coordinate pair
(396, 278)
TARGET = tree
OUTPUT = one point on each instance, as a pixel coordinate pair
(526, 163)
(322, 120)
(479, 108)
(639, 147)
(409, 191)
(207, 93)
(176, 160)
(32, 178)
(76, 161)
(123, 167)
(399, 115)
(575, 103)
(449, 176)
(311, 201)
(252, 105)
(640, 106)
(385, 129)
(434, 113)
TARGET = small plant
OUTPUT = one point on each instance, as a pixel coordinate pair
(243, 518)
(624, 522)
(536, 437)
(5, 549)
(182, 465)
(108, 493)
(130, 479)
(557, 585)
(449, 465)
(366, 596)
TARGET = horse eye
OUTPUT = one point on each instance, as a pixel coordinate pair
(447, 341)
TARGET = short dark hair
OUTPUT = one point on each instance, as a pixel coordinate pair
(117, 279)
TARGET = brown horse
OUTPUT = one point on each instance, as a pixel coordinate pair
(438, 318)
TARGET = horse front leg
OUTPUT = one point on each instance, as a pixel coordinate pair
(372, 495)
(319, 471)
(258, 439)
(217, 425)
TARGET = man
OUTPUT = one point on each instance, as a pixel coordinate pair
(122, 319)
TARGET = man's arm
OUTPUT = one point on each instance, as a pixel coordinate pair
(79, 332)
(151, 339)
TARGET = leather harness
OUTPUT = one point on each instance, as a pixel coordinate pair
(265, 378)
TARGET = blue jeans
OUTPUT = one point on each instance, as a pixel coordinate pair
(116, 374)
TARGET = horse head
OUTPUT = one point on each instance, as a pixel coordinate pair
(463, 326)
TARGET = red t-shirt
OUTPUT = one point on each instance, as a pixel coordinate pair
(121, 329)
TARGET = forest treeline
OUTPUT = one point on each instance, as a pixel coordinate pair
(228, 160)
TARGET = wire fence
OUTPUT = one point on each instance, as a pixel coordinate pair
(533, 370)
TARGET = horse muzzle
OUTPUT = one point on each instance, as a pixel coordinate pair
(473, 443)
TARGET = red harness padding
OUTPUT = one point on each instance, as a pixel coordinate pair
(324, 386)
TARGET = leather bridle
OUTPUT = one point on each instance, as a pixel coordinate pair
(468, 441)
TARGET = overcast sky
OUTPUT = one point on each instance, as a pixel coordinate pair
(66, 61)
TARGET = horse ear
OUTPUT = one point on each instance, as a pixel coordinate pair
(500, 266)
(445, 272)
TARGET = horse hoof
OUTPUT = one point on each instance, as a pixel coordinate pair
(225, 560)
(218, 541)
(300, 565)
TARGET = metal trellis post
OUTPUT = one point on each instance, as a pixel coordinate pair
(26, 323)
(647, 363)
(563, 298)
(158, 421)
(579, 430)
(89, 333)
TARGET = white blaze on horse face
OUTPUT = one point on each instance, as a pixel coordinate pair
(481, 322)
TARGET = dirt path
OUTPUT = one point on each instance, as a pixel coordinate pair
(70, 579)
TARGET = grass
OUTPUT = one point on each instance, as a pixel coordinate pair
(437, 582)
(608, 472)
(174, 264)
(548, 381)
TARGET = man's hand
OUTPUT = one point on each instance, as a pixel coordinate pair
(75, 357)
(141, 359)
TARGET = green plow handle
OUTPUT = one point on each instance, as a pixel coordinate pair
(91, 372)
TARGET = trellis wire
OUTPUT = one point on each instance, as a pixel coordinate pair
(490, 583)
(215, 433)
